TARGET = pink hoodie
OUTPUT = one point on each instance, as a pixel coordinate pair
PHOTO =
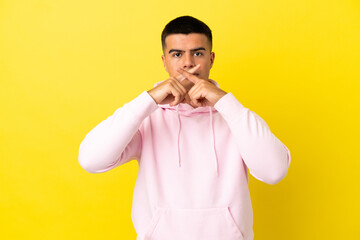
(192, 182)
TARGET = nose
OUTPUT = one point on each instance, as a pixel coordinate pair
(188, 61)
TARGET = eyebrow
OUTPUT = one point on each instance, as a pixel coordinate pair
(192, 50)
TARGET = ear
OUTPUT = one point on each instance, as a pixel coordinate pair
(163, 59)
(212, 58)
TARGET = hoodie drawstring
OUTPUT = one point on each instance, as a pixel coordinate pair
(212, 136)
(178, 138)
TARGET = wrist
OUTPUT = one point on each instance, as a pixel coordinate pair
(220, 94)
(151, 93)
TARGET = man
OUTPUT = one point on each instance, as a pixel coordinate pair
(194, 143)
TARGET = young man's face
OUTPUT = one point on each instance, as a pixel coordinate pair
(186, 51)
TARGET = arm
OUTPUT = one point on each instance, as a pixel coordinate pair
(267, 158)
(117, 139)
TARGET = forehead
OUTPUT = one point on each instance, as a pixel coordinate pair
(187, 41)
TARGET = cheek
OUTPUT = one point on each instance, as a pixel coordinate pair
(174, 65)
(205, 62)
(171, 68)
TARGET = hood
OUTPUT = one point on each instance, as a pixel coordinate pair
(187, 110)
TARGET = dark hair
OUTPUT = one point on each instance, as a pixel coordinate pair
(186, 25)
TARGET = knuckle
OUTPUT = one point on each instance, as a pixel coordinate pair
(202, 81)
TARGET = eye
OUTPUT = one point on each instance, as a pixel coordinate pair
(198, 54)
(177, 54)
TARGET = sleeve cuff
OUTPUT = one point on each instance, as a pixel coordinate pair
(143, 105)
(228, 105)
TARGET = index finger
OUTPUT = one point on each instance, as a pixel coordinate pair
(188, 75)
(181, 77)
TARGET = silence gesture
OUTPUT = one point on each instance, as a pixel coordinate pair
(203, 93)
(172, 90)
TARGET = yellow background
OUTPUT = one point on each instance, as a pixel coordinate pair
(67, 65)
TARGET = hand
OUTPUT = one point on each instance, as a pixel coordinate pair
(173, 90)
(203, 93)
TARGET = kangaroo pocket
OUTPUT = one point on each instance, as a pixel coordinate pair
(193, 224)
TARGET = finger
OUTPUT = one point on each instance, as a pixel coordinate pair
(187, 99)
(195, 88)
(198, 94)
(182, 88)
(180, 77)
(192, 71)
(195, 96)
(179, 87)
(178, 91)
(188, 75)
(177, 96)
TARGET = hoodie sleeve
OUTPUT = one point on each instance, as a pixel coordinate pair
(117, 139)
(267, 158)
